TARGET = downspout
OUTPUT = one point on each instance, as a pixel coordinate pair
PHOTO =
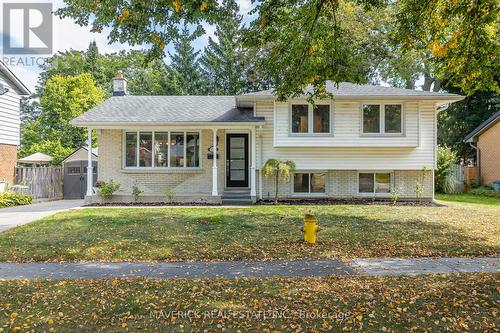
(478, 159)
(260, 162)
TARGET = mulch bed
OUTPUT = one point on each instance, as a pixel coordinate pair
(304, 202)
(330, 201)
(152, 204)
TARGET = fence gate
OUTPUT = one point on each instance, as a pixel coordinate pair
(41, 182)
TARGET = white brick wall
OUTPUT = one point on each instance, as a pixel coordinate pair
(344, 184)
(196, 183)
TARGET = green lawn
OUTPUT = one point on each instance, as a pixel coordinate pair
(256, 233)
(469, 198)
(431, 303)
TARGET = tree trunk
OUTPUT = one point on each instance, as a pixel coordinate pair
(410, 84)
(276, 193)
(428, 80)
(437, 85)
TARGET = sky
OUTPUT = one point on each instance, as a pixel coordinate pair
(69, 35)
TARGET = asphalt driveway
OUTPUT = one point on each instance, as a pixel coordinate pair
(14, 216)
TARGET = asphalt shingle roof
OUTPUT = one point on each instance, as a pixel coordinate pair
(167, 109)
(347, 89)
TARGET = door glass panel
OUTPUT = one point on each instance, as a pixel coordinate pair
(237, 174)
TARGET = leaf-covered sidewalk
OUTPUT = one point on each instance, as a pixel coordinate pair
(234, 269)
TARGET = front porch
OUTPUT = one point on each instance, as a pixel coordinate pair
(177, 164)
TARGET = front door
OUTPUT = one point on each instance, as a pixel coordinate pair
(237, 160)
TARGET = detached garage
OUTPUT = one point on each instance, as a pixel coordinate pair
(75, 173)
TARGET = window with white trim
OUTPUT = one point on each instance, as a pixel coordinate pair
(375, 182)
(382, 118)
(309, 182)
(308, 119)
(162, 149)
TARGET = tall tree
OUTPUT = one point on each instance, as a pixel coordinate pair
(305, 42)
(223, 61)
(64, 98)
(185, 60)
(460, 118)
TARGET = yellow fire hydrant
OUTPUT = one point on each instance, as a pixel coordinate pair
(310, 228)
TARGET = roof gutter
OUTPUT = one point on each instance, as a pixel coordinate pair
(24, 90)
(444, 99)
(203, 124)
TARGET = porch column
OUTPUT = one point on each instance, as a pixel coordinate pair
(89, 162)
(253, 192)
(214, 163)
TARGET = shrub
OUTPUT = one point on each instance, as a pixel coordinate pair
(136, 192)
(486, 191)
(106, 190)
(445, 159)
(395, 193)
(9, 199)
(169, 194)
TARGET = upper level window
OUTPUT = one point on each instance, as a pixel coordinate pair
(300, 118)
(162, 149)
(309, 119)
(382, 119)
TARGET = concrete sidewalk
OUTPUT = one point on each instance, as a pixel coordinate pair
(14, 216)
(233, 269)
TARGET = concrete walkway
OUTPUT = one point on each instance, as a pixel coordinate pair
(232, 269)
(14, 216)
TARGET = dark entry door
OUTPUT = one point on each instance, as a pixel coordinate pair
(75, 179)
(237, 160)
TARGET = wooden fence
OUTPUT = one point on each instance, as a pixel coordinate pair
(40, 182)
(457, 178)
(470, 177)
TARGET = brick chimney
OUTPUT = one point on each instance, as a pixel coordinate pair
(119, 84)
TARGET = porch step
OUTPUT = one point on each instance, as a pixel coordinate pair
(236, 196)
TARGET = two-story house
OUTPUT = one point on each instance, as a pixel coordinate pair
(365, 142)
(11, 91)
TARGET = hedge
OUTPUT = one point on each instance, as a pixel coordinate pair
(9, 199)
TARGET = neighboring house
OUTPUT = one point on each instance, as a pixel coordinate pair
(362, 143)
(11, 91)
(486, 139)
